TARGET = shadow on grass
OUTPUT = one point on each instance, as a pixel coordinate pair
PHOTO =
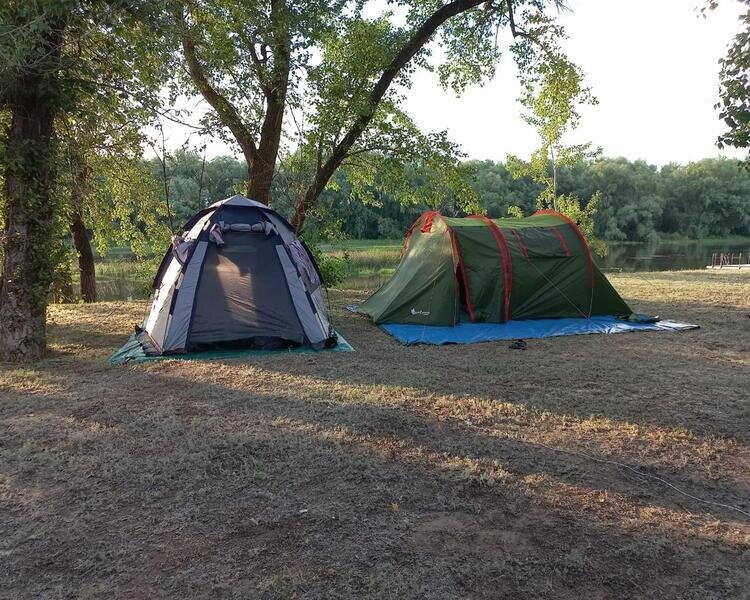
(175, 484)
(88, 337)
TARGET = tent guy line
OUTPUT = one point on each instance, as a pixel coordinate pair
(642, 473)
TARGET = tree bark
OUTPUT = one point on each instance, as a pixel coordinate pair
(260, 176)
(417, 41)
(80, 177)
(275, 90)
(28, 256)
(260, 173)
(85, 257)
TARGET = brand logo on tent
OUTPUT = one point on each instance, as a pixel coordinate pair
(416, 312)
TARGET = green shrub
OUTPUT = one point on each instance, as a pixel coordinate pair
(62, 282)
(333, 269)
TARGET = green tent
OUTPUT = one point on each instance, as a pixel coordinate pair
(494, 270)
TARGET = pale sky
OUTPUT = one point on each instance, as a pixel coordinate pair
(653, 64)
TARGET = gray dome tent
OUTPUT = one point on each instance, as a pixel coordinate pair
(237, 277)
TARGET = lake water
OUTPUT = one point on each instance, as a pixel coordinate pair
(667, 257)
(122, 283)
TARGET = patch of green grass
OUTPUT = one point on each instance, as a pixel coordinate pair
(116, 253)
(119, 269)
(121, 278)
(369, 262)
(363, 245)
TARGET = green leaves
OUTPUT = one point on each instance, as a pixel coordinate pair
(471, 48)
(734, 88)
(338, 70)
(339, 86)
(125, 206)
(554, 90)
(584, 217)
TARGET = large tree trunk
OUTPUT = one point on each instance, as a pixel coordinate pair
(275, 91)
(260, 158)
(28, 256)
(85, 257)
(80, 177)
(261, 170)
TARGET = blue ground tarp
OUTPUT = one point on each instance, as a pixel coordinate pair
(471, 333)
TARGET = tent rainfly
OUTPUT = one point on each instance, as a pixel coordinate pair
(495, 270)
(237, 277)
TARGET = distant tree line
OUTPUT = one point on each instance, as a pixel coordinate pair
(640, 202)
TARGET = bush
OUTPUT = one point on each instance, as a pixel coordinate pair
(61, 288)
(333, 269)
(145, 271)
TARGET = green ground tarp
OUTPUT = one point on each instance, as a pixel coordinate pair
(132, 351)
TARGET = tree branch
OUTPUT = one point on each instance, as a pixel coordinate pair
(520, 32)
(417, 41)
(259, 187)
(223, 107)
(258, 66)
(512, 22)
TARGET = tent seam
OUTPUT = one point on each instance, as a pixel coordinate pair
(452, 239)
(562, 240)
(580, 235)
(502, 246)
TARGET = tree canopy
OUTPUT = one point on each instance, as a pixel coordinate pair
(320, 84)
(734, 85)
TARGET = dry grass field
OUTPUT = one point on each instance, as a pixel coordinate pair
(393, 472)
